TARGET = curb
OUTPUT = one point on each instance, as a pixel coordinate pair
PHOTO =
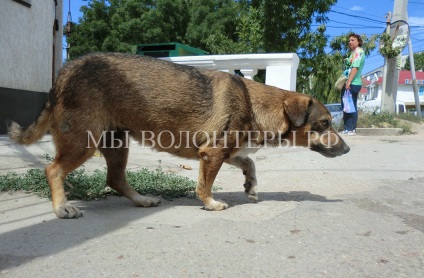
(379, 131)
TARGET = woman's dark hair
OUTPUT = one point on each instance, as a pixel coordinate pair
(358, 37)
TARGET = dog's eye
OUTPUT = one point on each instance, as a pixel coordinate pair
(325, 122)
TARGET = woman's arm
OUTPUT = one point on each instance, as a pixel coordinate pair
(352, 74)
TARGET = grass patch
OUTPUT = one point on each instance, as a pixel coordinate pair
(90, 186)
(386, 120)
(410, 117)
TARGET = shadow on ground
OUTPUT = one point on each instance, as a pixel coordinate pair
(102, 217)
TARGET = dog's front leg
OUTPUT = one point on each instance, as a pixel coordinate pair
(210, 163)
(56, 174)
(249, 171)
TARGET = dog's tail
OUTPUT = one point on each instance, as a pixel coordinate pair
(34, 132)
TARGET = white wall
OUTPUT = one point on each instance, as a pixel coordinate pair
(281, 68)
(404, 92)
(26, 44)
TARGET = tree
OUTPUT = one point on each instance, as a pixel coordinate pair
(118, 25)
(211, 20)
(288, 23)
(418, 61)
(248, 36)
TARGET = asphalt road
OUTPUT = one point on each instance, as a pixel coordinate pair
(359, 215)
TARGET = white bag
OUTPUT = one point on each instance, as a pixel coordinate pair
(340, 82)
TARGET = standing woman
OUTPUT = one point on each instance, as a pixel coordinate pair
(355, 64)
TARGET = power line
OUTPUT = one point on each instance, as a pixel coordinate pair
(366, 34)
(372, 15)
(418, 45)
(349, 27)
(367, 18)
(417, 34)
(365, 26)
(357, 16)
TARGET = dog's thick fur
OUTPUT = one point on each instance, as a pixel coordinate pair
(130, 94)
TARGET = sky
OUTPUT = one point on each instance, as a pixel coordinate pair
(359, 16)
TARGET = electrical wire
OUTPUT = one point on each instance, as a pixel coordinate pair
(357, 16)
(372, 15)
(365, 26)
(375, 57)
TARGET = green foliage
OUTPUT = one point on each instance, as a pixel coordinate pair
(379, 120)
(160, 183)
(33, 181)
(218, 26)
(322, 79)
(81, 185)
(418, 60)
(386, 120)
(117, 25)
(287, 33)
(410, 117)
(386, 47)
(250, 30)
(210, 21)
(248, 35)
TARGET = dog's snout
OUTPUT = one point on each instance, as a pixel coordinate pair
(346, 149)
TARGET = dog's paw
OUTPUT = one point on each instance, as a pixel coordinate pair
(216, 205)
(67, 212)
(253, 198)
(251, 192)
(144, 201)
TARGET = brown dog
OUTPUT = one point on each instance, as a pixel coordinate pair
(101, 99)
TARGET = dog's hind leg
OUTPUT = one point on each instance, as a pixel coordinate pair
(248, 167)
(116, 160)
(70, 154)
(211, 160)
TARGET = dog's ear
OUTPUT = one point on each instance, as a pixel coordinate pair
(298, 109)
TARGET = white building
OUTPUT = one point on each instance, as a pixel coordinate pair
(405, 101)
(30, 55)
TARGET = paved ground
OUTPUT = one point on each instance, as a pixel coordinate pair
(359, 215)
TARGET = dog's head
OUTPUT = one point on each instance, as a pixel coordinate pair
(310, 126)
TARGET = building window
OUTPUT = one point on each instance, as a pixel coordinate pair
(24, 2)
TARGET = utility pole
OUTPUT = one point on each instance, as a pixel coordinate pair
(68, 30)
(414, 79)
(386, 94)
(391, 72)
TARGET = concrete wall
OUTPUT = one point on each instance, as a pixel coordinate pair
(281, 68)
(26, 44)
(30, 55)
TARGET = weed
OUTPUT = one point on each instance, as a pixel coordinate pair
(386, 120)
(377, 120)
(410, 117)
(90, 186)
